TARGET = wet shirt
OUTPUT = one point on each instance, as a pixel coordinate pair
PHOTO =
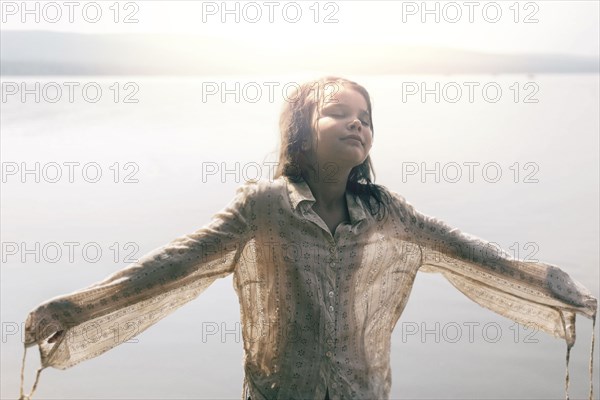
(317, 309)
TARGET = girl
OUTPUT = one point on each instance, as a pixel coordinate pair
(323, 263)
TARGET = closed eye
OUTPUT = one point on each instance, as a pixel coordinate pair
(337, 114)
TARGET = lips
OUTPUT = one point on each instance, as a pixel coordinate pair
(355, 137)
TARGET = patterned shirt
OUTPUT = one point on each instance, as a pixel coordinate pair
(317, 309)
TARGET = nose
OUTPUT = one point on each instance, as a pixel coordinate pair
(355, 124)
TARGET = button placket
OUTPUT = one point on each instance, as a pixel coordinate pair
(330, 301)
(331, 293)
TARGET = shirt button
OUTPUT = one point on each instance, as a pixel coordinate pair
(328, 354)
(330, 342)
(333, 385)
(331, 293)
(330, 308)
(333, 264)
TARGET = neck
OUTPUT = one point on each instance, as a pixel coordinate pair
(328, 189)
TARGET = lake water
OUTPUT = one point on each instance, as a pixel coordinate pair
(175, 144)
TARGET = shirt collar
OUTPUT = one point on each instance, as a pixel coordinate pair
(299, 192)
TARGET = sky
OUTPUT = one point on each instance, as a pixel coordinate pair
(566, 27)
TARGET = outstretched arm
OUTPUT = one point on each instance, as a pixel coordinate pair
(535, 293)
(75, 327)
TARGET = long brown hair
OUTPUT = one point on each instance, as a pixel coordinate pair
(296, 127)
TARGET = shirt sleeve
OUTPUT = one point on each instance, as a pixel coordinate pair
(531, 293)
(95, 319)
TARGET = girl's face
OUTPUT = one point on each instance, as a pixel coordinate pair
(342, 128)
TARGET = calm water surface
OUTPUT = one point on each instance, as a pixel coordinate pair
(166, 139)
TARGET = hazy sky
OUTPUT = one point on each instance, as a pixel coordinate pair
(570, 27)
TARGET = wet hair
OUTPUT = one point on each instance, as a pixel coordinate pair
(297, 126)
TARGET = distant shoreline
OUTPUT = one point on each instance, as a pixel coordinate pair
(36, 53)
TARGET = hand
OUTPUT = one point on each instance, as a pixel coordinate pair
(55, 337)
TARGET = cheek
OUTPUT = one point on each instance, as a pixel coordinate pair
(325, 130)
(369, 142)
(326, 124)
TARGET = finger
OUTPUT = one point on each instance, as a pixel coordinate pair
(55, 337)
